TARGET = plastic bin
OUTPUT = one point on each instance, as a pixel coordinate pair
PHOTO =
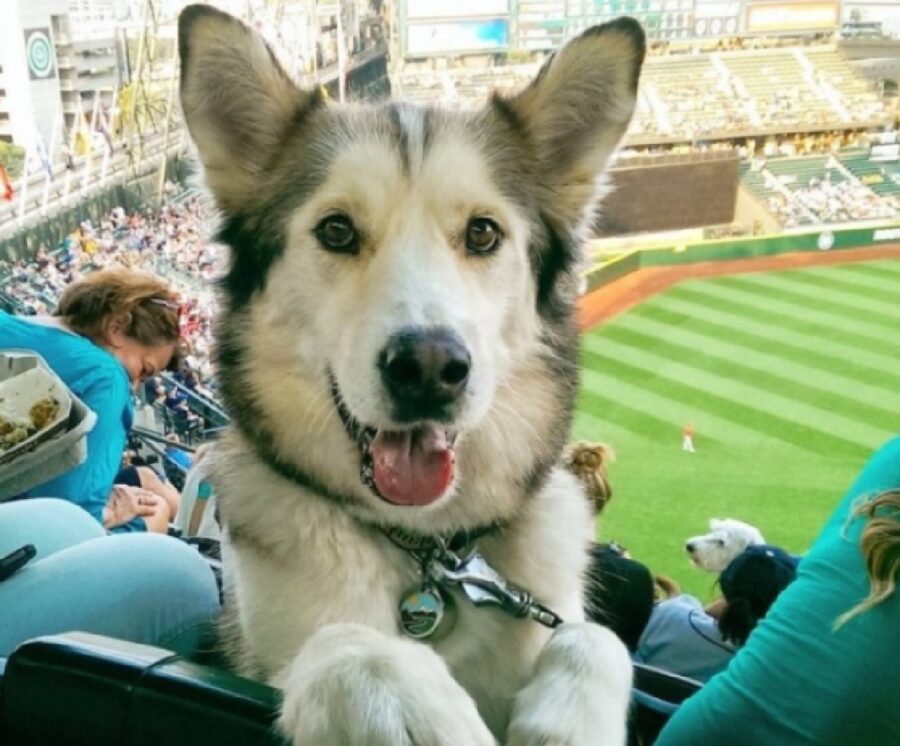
(58, 448)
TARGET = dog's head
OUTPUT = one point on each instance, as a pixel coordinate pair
(726, 539)
(398, 321)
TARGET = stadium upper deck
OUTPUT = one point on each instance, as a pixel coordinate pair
(706, 96)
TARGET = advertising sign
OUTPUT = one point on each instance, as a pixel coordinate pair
(764, 18)
(424, 39)
(39, 54)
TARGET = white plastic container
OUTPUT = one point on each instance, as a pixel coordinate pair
(24, 379)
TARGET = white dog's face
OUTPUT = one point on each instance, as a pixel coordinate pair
(725, 541)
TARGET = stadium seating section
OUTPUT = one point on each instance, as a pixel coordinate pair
(814, 190)
(687, 97)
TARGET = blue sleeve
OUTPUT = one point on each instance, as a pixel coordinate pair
(89, 485)
(798, 680)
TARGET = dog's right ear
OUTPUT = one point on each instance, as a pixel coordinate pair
(237, 99)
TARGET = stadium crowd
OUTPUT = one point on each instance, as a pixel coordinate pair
(169, 242)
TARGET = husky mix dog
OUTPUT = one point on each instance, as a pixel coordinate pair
(398, 350)
(726, 539)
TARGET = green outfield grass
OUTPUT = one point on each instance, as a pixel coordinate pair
(791, 378)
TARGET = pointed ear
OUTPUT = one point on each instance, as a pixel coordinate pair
(576, 111)
(237, 99)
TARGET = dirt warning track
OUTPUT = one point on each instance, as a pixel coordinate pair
(628, 291)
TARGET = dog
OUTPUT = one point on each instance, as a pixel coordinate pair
(398, 350)
(726, 539)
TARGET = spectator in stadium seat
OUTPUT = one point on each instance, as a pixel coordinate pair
(147, 588)
(684, 638)
(111, 330)
(813, 674)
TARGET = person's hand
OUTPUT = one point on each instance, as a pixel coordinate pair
(127, 503)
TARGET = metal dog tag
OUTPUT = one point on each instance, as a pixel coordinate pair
(422, 610)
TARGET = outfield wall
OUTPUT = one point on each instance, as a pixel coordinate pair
(743, 248)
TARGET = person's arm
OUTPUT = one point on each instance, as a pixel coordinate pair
(89, 485)
(789, 684)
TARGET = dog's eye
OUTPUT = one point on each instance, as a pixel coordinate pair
(338, 234)
(720, 542)
(482, 236)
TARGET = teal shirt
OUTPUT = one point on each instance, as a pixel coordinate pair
(100, 381)
(798, 681)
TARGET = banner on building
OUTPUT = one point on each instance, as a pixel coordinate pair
(424, 39)
(39, 54)
(781, 17)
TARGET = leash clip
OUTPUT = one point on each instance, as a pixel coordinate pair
(484, 586)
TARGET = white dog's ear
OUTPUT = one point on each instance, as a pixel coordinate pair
(576, 111)
(237, 99)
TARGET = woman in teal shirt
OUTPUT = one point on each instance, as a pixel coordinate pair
(111, 330)
(809, 675)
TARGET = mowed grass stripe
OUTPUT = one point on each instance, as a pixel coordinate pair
(887, 272)
(592, 427)
(782, 315)
(818, 293)
(822, 310)
(624, 416)
(861, 287)
(874, 367)
(839, 394)
(672, 413)
(773, 415)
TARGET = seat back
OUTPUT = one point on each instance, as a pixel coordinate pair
(656, 695)
(85, 690)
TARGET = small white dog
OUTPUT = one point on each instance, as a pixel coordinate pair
(726, 539)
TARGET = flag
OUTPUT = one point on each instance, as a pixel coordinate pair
(44, 155)
(8, 191)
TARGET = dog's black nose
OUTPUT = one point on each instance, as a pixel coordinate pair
(424, 371)
(689, 546)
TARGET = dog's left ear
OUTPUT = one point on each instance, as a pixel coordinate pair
(576, 111)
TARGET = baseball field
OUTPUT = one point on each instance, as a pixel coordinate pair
(791, 379)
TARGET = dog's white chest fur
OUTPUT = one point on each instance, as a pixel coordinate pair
(298, 562)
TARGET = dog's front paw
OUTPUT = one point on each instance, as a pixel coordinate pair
(353, 685)
(579, 692)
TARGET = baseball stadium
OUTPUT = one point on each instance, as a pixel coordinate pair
(734, 426)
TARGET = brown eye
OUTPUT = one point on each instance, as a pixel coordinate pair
(482, 236)
(338, 234)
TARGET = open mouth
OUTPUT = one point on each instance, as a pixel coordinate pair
(415, 466)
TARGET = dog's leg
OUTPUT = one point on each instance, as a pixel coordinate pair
(351, 684)
(579, 693)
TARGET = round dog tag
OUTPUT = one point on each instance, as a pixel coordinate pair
(421, 611)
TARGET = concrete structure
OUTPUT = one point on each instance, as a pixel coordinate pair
(55, 56)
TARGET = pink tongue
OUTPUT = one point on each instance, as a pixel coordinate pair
(412, 467)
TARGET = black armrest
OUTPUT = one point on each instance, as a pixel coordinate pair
(656, 695)
(78, 689)
(664, 685)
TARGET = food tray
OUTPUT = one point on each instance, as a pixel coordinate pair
(56, 449)
(24, 380)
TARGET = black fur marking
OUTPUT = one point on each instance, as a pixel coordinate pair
(508, 114)
(552, 261)
(252, 254)
(400, 135)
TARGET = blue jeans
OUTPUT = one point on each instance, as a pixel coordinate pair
(145, 588)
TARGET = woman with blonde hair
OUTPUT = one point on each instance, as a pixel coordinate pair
(111, 330)
(823, 667)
